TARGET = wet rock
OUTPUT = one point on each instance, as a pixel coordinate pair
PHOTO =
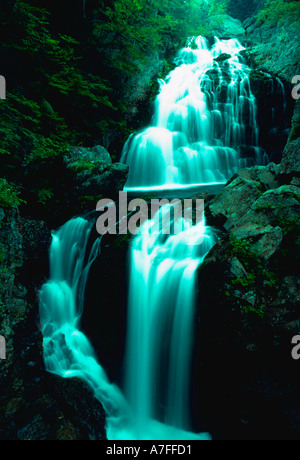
(89, 175)
(274, 47)
(265, 241)
(223, 57)
(256, 294)
(295, 128)
(273, 206)
(267, 176)
(108, 184)
(290, 164)
(224, 207)
(226, 27)
(94, 159)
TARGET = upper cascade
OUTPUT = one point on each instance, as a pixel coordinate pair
(204, 127)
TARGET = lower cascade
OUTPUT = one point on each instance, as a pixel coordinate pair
(160, 323)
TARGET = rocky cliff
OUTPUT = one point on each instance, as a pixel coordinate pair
(33, 404)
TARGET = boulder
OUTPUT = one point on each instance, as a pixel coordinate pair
(274, 207)
(267, 176)
(226, 27)
(290, 164)
(265, 241)
(224, 207)
(109, 183)
(94, 159)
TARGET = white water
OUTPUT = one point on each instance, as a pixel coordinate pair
(162, 286)
(204, 118)
(160, 321)
(67, 351)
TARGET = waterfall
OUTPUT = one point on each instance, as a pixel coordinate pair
(67, 351)
(204, 122)
(204, 130)
(171, 262)
(160, 320)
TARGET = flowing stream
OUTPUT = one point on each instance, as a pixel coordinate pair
(204, 127)
(205, 113)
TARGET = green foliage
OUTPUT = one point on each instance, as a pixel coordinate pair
(242, 250)
(2, 254)
(258, 275)
(277, 11)
(72, 78)
(9, 195)
(288, 225)
(259, 311)
(44, 195)
(81, 165)
(295, 131)
(245, 282)
(88, 201)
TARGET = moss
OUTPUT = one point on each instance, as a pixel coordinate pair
(2, 254)
(288, 225)
(295, 131)
(259, 311)
(81, 166)
(88, 201)
(242, 250)
(260, 277)
(245, 282)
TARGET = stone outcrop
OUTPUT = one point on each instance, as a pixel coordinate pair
(226, 27)
(274, 48)
(290, 165)
(247, 321)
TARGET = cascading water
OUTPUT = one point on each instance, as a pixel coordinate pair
(67, 351)
(162, 304)
(205, 117)
(160, 320)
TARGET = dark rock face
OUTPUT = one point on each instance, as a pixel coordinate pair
(33, 404)
(226, 27)
(290, 165)
(91, 176)
(248, 319)
(245, 10)
(83, 176)
(274, 110)
(273, 48)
